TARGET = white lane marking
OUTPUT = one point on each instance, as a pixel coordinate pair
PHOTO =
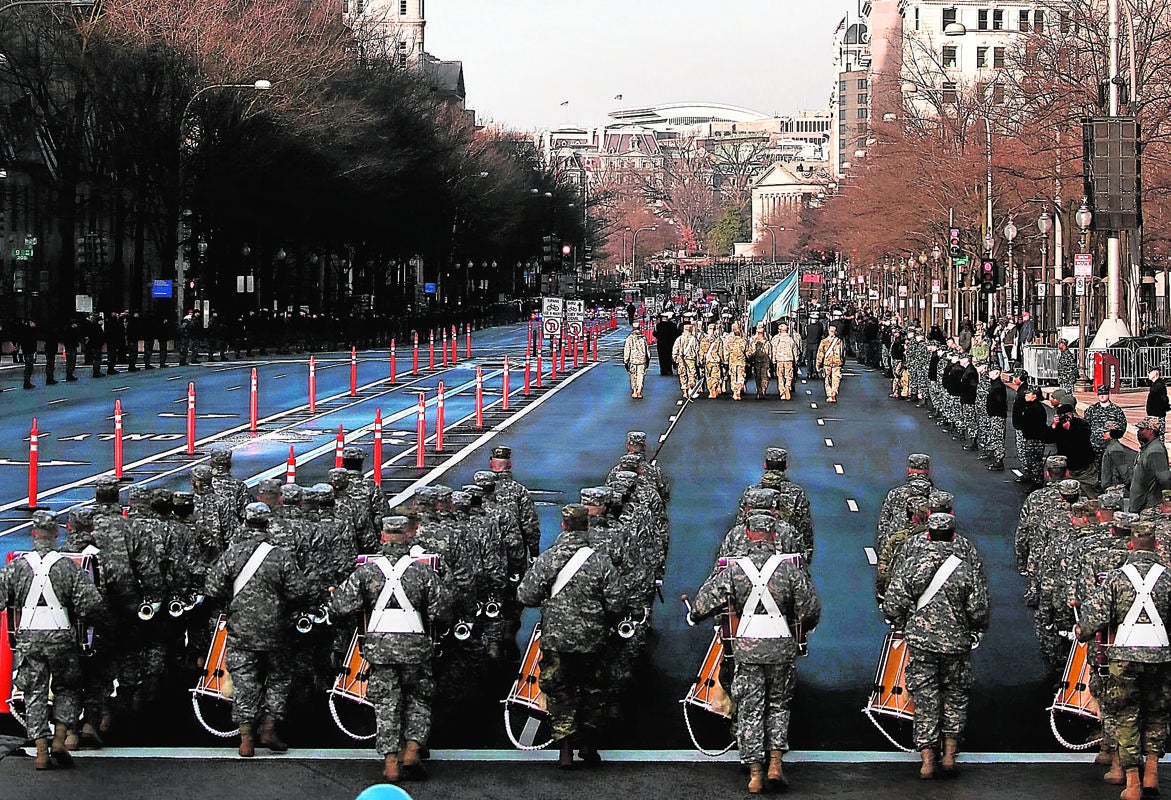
(678, 402)
(803, 380)
(829, 442)
(1016, 472)
(120, 389)
(852, 504)
(278, 377)
(175, 378)
(62, 400)
(838, 469)
(662, 438)
(233, 388)
(813, 405)
(808, 391)
(821, 422)
(871, 556)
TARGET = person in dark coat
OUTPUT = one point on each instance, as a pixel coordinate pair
(95, 336)
(996, 407)
(1029, 420)
(115, 342)
(71, 337)
(1070, 435)
(28, 337)
(1157, 403)
(135, 332)
(666, 332)
(49, 337)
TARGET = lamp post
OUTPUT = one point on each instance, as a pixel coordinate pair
(772, 229)
(1084, 218)
(1018, 284)
(634, 249)
(622, 258)
(180, 262)
(1045, 226)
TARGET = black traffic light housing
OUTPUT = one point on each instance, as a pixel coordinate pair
(548, 249)
(989, 275)
(953, 244)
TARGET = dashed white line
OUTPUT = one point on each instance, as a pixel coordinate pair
(852, 504)
(233, 388)
(838, 469)
(1016, 472)
(119, 388)
(829, 442)
(871, 556)
(820, 421)
(813, 405)
(662, 438)
(55, 402)
(277, 377)
(673, 417)
(175, 378)
(808, 391)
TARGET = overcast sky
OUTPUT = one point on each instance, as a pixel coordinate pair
(523, 58)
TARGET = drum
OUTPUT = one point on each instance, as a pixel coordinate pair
(351, 682)
(1073, 692)
(215, 683)
(526, 697)
(890, 696)
(707, 692)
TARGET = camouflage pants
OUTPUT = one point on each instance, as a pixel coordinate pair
(1031, 455)
(1138, 695)
(994, 440)
(982, 421)
(900, 384)
(637, 378)
(620, 668)
(715, 376)
(785, 379)
(262, 679)
(97, 680)
(688, 375)
(574, 687)
(833, 379)
(1054, 648)
(401, 694)
(760, 374)
(763, 693)
(33, 671)
(968, 420)
(736, 376)
(1099, 688)
(939, 685)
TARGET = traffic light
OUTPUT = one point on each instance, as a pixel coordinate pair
(989, 275)
(953, 245)
(548, 247)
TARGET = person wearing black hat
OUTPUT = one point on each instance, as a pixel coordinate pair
(666, 332)
(1070, 436)
(1029, 420)
(996, 411)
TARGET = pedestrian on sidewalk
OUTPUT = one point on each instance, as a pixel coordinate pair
(1157, 403)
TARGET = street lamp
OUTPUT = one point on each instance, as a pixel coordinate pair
(1018, 284)
(1083, 218)
(772, 230)
(261, 85)
(634, 249)
(1045, 226)
(622, 258)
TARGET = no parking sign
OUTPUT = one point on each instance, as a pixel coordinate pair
(574, 317)
(551, 310)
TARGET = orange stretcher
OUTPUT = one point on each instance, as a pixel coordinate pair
(526, 696)
(215, 683)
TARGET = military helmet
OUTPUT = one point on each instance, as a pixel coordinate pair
(82, 519)
(221, 457)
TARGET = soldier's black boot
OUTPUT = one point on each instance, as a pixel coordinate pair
(970, 446)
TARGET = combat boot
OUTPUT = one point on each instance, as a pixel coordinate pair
(247, 747)
(57, 749)
(565, 757)
(1151, 776)
(1115, 775)
(412, 762)
(90, 737)
(947, 764)
(755, 778)
(42, 759)
(776, 777)
(971, 445)
(1104, 758)
(927, 768)
(390, 769)
(71, 739)
(268, 736)
(1133, 790)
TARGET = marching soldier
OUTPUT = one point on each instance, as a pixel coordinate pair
(259, 586)
(404, 600)
(785, 350)
(685, 354)
(831, 355)
(711, 356)
(771, 596)
(758, 351)
(735, 349)
(1135, 600)
(353, 510)
(53, 594)
(580, 595)
(940, 602)
(363, 489)
(509, 491)
(891, 513)
(917, 513)
(636, 357)
(636, 445)
(215, 527)
(231, 493)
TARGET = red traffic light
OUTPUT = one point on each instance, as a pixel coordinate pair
(566, 249)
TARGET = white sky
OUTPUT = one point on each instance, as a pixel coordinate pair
(522, 58)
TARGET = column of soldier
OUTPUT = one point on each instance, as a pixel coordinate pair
(289, 560)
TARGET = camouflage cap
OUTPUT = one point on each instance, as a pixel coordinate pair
(291, 494)
(162, 500)
(1123, 520)
(574, 513)
(623, 479)
(918, 461)
(106, 490)
(221, 457)
(424, 495)
(139, 496)
(442, 493)
(1078, 509)
(760, 498)
(1166, 495)
(1110, 501)
(771, 480)
(940, 501)
(1102, 389)
(1056, 464)
(323, 492)
(761, 523)
(501, 451)
(257, 513)
(485, 477)
(269, 486)
(941, 522)
(919, 487)
(1151, 423)
(636, 439)
(629, 461)
(595, 496)
(1069, 488)
(776, 457)
(110, 482)
(183, 499)
(44, 521)
(410, 512)
(461, 500)
(200, 473)
(1142, 529)
(475, 490)
(395, 524)
(1092, 506)
(339, 477)
(353, 454)
(82, 519)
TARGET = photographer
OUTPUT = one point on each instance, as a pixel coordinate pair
(1070, 435)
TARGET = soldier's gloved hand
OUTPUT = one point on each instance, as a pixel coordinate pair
(417, 551)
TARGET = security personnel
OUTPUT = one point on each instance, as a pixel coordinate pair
(52, 594)
(259, 585)
(1136, 601)
(996, 412)
(636, 357)
(580, 595)
(940, 602)
(404, 600)
(771, 596)
(511, 492)
(831, 355)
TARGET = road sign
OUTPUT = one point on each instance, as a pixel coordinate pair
(1083, 265)
(160, 289)
(961, 261)
(551, 310)
(935, 286)
(429, 288)
(574, 317)
(22, 254)
(1042, 289)
(1081, 286)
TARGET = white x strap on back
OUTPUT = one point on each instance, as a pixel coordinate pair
(772, 623)
(571, 568)
(949, 565)
(405, 618)
(42, 611)
(253, 564)
(1132, 633)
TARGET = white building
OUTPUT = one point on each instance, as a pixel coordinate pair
(400, 24)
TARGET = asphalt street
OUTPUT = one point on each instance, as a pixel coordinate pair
(846, 455)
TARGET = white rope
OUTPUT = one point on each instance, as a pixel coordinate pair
(512, 737)
(337, 721)
(694, 741)
(203, 722)
(16, 715)
(1061, 739)
(882, 730)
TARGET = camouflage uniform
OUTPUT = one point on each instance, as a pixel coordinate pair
(758, 352)
(352, 508)
(636, 446)
(214, 527)
(575, 626)
(400, 683)
(940, 635)
(367, 493)
(685, 354)
(785, 349)
(915, 524)
(1096, 416)
(1067, 368)
(509, 491)
(1139, 672)
(765, 667)
(500, 559)
(892, 512)
(711, 355)
(831, 355)
(231, 494)
(259, 618)
(636, 357)
(1050, 529)
(47, 648)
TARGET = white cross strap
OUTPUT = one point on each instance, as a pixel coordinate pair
(571, 568)
(42, 611)
(403, 619)
(771, 624)
(949, 565)
(254, 561)
(1132, 633)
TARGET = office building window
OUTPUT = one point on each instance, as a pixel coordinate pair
(982, 57)
(997, 94)
(841, 86)
(863, 83)
(998, 57)
(950, 15)
(950, 95)
(842, 114)
(863, 99)
(1024, 21)
(951, 56)
(997, 19)
(402, 8)
(982, 19)
(863, 113)
(1038, 21)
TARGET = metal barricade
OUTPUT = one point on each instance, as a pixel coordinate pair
(1134, 363)
(1040, 362)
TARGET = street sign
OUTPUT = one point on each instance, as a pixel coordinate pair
(22, 254)
(1083, 265)
(1042, 290)
(902, 291)
(574, 317)
(873, 294)
(551, 310)
(935, 286)
(960, 261)
(160, 289)
(1081, 286)
(429, 288)
(947, 314)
